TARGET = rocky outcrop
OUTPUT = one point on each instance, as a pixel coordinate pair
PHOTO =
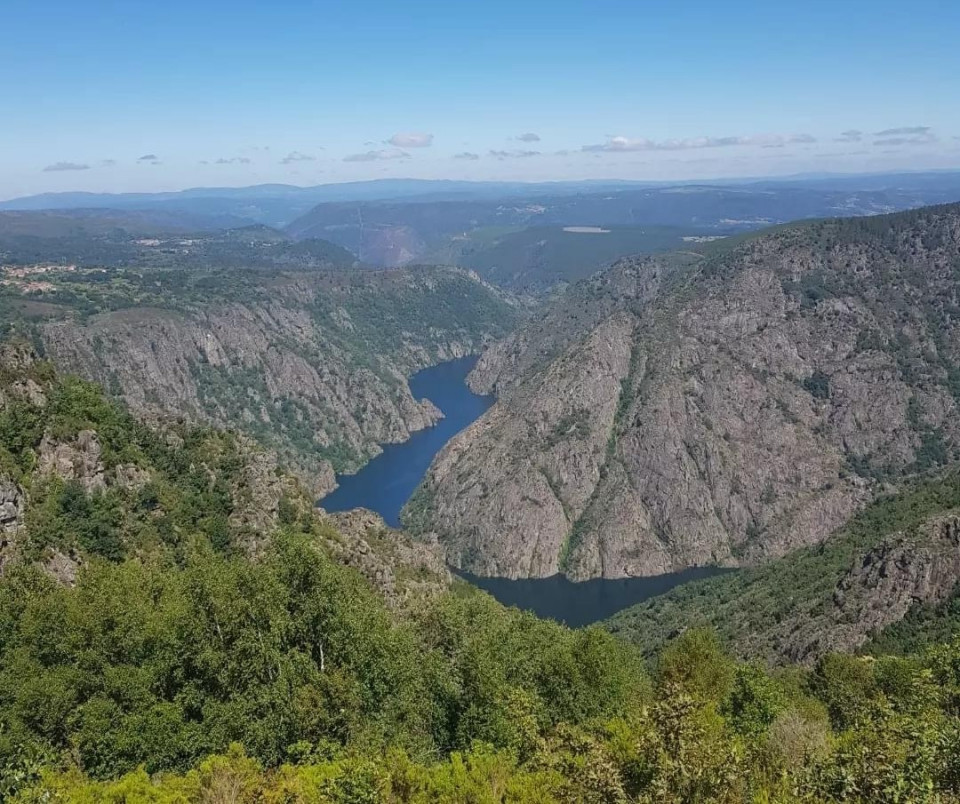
(726, 409)
(78, 460)
(565, 429)
(904, 571)
(12, 502)
(404, 571)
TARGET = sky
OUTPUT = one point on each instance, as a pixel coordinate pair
(126, 95)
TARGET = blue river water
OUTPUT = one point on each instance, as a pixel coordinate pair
(579, 603)
(385, 484)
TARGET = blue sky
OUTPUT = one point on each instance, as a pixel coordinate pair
(239, 93)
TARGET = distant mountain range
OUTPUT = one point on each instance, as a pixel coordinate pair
(527, 237)
(281, 204)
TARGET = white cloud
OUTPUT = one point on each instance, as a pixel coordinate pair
(376, 156)
(529, 137)
(851, 135)
(467, 156)
(903, 130)
(411, 139)
(235, 160)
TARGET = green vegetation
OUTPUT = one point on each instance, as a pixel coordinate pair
(286, 681)
(115, 239)
(179, 667)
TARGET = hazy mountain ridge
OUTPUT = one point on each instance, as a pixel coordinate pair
(725, 410)
(391, 232)
(108, 238)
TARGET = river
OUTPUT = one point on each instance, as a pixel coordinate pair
(385, 484)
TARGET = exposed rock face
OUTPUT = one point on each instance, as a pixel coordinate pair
(312, 367)
(566, 426)
(726, 410)
(11, 506)
(78, 461)
(62, 567)
(905, 570)
(898, 557)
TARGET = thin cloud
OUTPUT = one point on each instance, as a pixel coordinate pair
(905, 135)
(514, 154)
(57, 167)
(841, 153)
(148, 158)
(467, 155)
(626, 144)
(296, 156)
(529, 137)
(851, 135)
(411, 139)
(235, 160)
(108, 162)
(902, 131)
(377, 156)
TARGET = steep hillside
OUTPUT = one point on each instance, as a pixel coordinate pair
(312, 363)
(898, 557)
(83, 480)
(721, 409)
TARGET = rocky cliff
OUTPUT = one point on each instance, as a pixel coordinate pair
(724, 407)
(895, 564)
(312, 364)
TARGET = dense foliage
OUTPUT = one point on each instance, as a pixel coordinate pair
(115, 239)
(189, 479)
(539, 258)
(185, 670)
(305, 690)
